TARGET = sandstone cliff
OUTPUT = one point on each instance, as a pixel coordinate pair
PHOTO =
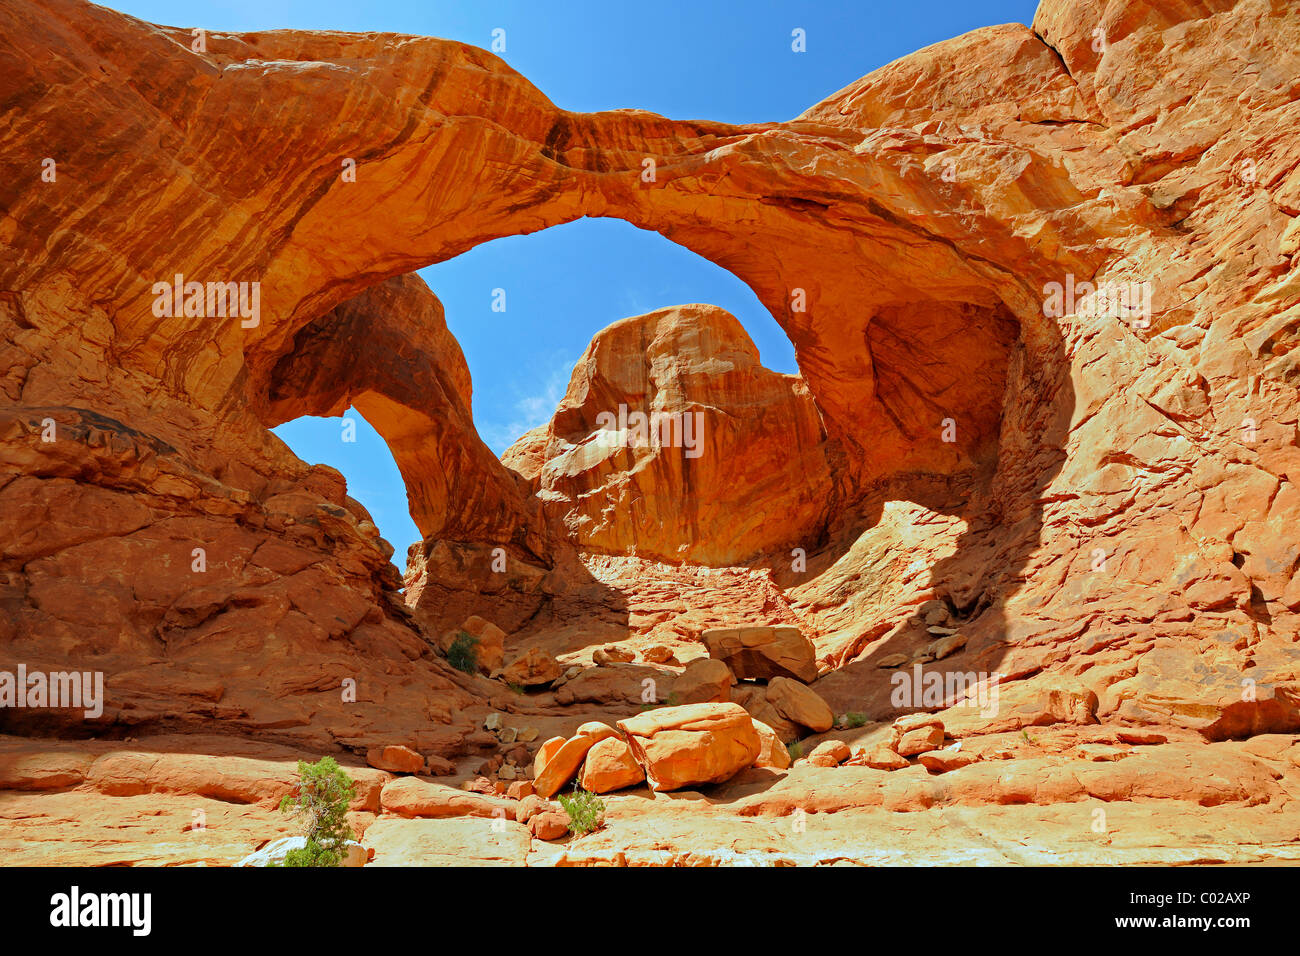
(1100, 501)
(674, 443)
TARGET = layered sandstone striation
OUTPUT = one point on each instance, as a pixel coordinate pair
(980, 471)
(674, 443)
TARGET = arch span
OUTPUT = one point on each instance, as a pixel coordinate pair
(844, 227)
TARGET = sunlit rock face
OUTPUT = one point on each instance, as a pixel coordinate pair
(673, 442)
(1089, 493)
(388, 353)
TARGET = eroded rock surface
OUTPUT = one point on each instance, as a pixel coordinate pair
(1054, 523)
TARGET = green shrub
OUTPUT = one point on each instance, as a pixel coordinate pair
(463, 653)
(313, 854)
(321, 799)
(586, 810)
(854, 719)
(674, 700)
(796, 750)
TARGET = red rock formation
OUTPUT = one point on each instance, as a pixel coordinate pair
(1109, 529)
(673, 442)
(387, 352)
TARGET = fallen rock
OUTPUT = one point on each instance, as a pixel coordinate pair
(883, 758)
(773, 754)
(549, 825)
(534, 666)
(762, 653)
(947, 646)
(520, 789)
(610, 766)
(941, 761)
(529, 807)
(479, 784)
(658, 654)
(545, 752)
(910, 722)
(829, 753)
(753, 697)
(918, 741)
(704, 681)
(800, 704)
(694, 744)
(933, 612)
(562, 767)
(490, 642)
(395, 759)
(613, 654)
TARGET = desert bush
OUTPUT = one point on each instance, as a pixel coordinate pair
(321, 799)
(463, 653)
(586, 810)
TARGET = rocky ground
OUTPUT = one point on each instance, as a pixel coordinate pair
(1052, 536)
(1064, 798)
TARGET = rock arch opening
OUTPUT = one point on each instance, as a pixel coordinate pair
(524, 308)
(350, 445)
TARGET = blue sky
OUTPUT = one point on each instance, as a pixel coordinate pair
(706, 59)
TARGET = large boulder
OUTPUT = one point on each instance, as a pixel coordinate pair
(800, 704)
(920, 740)
(395, 758)
(762, 653)
(545, 752)
(753, 697)
(690, 745)
(490, 642)
(549, 825)
(773, 755)
(610, 766)
(704, 681)
(613, 654)
(534, 666)
(564, 764)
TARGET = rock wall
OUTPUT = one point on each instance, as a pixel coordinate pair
(1114, 506)
(726, 461)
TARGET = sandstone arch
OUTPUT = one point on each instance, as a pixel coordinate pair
(225, 166)
(453, 148)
